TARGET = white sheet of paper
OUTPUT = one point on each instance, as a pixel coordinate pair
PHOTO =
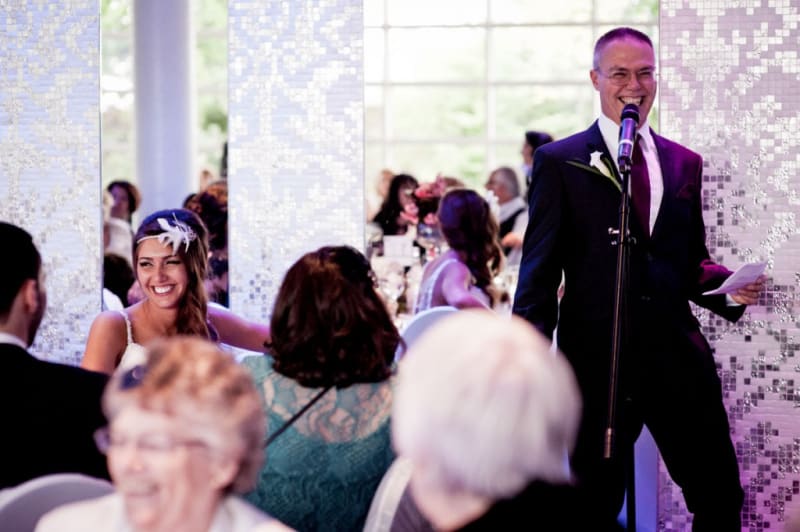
(745, 275)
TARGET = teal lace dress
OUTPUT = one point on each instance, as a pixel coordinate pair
(322, 472)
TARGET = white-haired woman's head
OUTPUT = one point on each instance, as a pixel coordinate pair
(485, 405)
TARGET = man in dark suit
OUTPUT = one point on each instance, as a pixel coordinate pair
(48, 411)
(668, 378)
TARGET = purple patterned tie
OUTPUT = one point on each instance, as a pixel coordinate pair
(640, 187)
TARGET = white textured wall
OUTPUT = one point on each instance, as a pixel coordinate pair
(49, 157)
(296, 136)
(729, 89)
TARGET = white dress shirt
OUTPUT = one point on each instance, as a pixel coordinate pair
(6, 338)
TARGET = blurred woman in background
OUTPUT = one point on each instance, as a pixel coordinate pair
(399, 209)
(462, 276)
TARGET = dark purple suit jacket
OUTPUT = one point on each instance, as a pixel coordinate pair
(572, 206)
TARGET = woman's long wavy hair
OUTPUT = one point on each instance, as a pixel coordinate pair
(329, 325)
(470, 229)
(193, 309)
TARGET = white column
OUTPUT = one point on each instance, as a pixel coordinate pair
(165, 110)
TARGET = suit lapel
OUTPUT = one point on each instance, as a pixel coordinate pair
(669, 176)
(594, 145)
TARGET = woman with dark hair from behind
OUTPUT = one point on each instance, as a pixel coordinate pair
(462, 276)
(399, 209)
(332, 348)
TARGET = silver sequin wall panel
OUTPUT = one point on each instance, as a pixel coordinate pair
(295, 138)
(729, 89)
(49, 157)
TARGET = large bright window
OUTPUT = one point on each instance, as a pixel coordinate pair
(452, 85)
(210, 19)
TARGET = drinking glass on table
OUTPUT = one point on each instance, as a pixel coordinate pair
(430, 238)
(391, 281)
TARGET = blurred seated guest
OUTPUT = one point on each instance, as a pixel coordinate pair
(462, 276)
(171, 264)
(332, 348)
(486, 415)
(205, 178)
(217, 285)
(117, 276)
(381, 191)
(49, 411)
(513, 212)
(533, 139)
(211, 205)
(118, 226)
(428, 195)
(399, 210)
(135, 293)
(185, 436)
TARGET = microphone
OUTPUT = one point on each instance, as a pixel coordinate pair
(627, 134)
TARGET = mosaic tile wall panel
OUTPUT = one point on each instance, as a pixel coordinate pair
(50, 146)
(729, 78)
(295, 138)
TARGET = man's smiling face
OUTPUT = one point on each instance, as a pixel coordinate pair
(626, 59)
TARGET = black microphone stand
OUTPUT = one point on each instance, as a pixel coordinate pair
(622, 239)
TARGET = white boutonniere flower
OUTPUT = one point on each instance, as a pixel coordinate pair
(598, 165)
(596, 161)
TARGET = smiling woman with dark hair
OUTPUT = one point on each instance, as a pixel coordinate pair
(170, 260)
(332, 346)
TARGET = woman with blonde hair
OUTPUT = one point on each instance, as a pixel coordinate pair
(185, 434)
(170, 259)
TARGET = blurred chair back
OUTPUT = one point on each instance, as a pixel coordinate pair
(22, 506)
(387, 496)
(420, 323)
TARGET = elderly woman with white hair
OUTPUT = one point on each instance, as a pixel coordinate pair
(486, 415)
(186, 433)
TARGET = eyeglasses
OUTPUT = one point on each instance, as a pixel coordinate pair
(622, 77)
(148, 444)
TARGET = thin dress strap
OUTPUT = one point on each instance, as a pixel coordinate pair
(127, 326)
(426, 296)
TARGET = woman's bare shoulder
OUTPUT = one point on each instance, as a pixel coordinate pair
(109, 319)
